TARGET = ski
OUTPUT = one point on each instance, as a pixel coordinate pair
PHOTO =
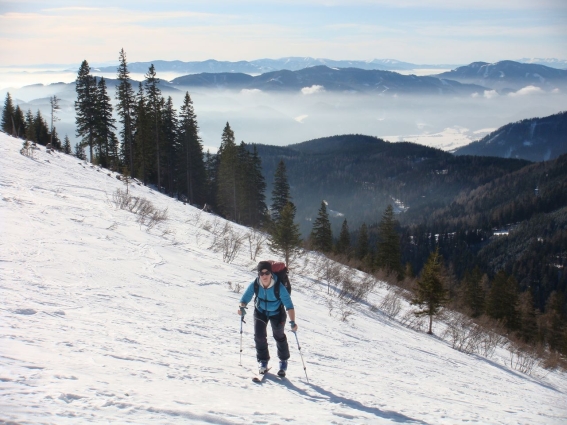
(260, 377)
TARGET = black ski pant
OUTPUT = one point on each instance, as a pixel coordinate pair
(261, 335)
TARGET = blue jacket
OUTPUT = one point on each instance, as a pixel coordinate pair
(266, 301)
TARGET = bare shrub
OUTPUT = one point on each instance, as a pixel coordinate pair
(27, 149)
(345, 313)
(167, 232)
(410, 320)
(195, 219)
(463, 334)
(391, 304)
(523, 357)
(148, 215)
(256, 242)
(236, 288)
(330, 305)
(226, 241)
(231, 244)
(554, 360)
(121, 199)
(216, 227)
(329, 271)
(493, 336)
(351, 289)
(383, 276)
(153, 218)
(303, 266)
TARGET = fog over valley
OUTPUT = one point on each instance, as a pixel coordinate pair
(268, 117)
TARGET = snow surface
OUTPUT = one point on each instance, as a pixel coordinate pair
(103, 321)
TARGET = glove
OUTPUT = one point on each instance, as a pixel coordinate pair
(242, 311)
(293, 325)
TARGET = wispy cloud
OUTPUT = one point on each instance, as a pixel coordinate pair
(527, 91)
(312, 90)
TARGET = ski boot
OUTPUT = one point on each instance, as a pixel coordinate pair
(283, 368)
(262, 367)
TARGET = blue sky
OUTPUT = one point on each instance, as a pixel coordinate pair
(418, 31)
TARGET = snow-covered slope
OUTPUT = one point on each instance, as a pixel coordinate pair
(103, 321)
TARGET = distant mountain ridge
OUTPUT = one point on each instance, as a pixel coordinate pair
(330, 79)
(534, 139)
(551, 62)
(261, 66)
(508, 75)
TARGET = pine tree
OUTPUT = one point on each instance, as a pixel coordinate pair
(114, 152)
(80, 152)
(502, 300)
(389, 256)
(143, 165)
(67, 145)
(212, 172)
(54, 104)
(527, 318)
(105, 124)
(8, 115)
(171, 146)
(473, 292)
(191, 167)
(321, 235)
(85, 107)
(41, 130)
(19, 123)
(228, 176)
(154, 109)
(431, 294)
(257, 183)
(30, 127)
(126, 178)
(55, 142)
(244, 184)
(125, 107)
(343, 244)
(281, 195)
(285, 237)
(555, 322)
(362, 243)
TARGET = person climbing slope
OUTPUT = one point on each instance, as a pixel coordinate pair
(270, 305)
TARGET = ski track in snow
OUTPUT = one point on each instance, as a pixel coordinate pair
(102, 321)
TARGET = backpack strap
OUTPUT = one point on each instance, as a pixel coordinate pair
(276, 288)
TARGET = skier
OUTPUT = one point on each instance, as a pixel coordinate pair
(268, 307)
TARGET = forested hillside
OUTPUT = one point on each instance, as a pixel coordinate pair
(360, 175)
(534, 139)
(517, 223)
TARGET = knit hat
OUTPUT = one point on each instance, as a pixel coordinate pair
(264, 265)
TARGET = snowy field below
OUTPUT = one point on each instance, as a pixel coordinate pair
(103, 320)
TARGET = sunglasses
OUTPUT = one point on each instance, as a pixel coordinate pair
(264, 273)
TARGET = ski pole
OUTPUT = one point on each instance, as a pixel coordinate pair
(299, 348)
(241, 322)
